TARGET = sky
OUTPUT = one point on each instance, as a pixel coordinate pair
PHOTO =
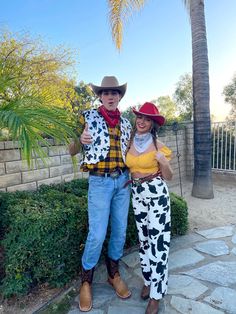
(156, 48)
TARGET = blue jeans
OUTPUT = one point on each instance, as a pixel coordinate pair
(107, 197)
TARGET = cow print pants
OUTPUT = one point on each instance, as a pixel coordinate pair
(151, 205)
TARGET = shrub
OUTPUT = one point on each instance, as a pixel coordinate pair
(44, 238)
(45, 232)
(179, 215)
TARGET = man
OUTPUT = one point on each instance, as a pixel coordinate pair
(105, 138)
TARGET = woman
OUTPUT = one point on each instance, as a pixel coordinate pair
(148, 161)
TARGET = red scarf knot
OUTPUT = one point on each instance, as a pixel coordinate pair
(111, 117)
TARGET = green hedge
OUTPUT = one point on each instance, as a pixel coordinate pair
(45, 231)
(179, 215)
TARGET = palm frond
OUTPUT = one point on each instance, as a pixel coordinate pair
(119, 12)
(29, 121)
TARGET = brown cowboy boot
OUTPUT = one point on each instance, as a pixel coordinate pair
(145, 292)
(152, 307)
(115, 280)
(85, 295)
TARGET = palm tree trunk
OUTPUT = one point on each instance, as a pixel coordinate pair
(202, 182)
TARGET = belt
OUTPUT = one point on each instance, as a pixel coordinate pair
(113, 174)
(139, 181)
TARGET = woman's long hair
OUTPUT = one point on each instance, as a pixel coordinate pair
(154, 132)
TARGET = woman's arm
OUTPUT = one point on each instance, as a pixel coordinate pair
(165, 167)
(164, 162)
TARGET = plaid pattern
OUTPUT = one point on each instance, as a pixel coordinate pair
(114, 157)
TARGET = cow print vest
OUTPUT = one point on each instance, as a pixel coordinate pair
(98, 150)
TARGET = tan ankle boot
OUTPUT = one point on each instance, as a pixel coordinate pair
(85, 295)
(120, 286)
(153, 306)
(115, 279)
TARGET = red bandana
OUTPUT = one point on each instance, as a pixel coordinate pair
(111, 117)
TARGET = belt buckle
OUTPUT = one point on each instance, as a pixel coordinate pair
(137, 181)
(114, 174)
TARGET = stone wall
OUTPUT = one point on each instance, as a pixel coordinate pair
(182, 166)
(15, 174)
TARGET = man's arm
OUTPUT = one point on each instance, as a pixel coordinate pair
(74, 148)
(84, 137)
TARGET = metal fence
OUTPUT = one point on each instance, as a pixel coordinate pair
(224, 145)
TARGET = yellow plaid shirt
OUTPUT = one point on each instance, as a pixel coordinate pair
(114, 157)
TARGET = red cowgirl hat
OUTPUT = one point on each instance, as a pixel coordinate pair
(151, 111)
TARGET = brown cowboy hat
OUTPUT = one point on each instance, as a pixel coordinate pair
(109, 82)
(151, 111)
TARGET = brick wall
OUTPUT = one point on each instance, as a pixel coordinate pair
(15, 174)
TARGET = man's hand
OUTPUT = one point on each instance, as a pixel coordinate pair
(85, 137)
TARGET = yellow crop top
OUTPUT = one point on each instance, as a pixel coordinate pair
(146, 163)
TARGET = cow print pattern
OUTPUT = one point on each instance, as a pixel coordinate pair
(151, 205)
(98, 150)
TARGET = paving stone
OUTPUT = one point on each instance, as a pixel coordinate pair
(180, 242)
(186, 306)
(168, 310)
(187, 286)
(222, 273)
(122, 309)
(131, 260)
(138, 272)
(234, 239)
(225, 298)
(134, 300)
(74, 311)
(135, 282)
(184, 257)
(234, 251)
(213, 247)
(101, 294)
(219, 232)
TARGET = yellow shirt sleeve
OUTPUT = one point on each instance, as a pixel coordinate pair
(167, 152)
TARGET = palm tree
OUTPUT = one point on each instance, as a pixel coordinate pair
(202, 182)
(27, 110)
(32, 125)
(29, 121)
